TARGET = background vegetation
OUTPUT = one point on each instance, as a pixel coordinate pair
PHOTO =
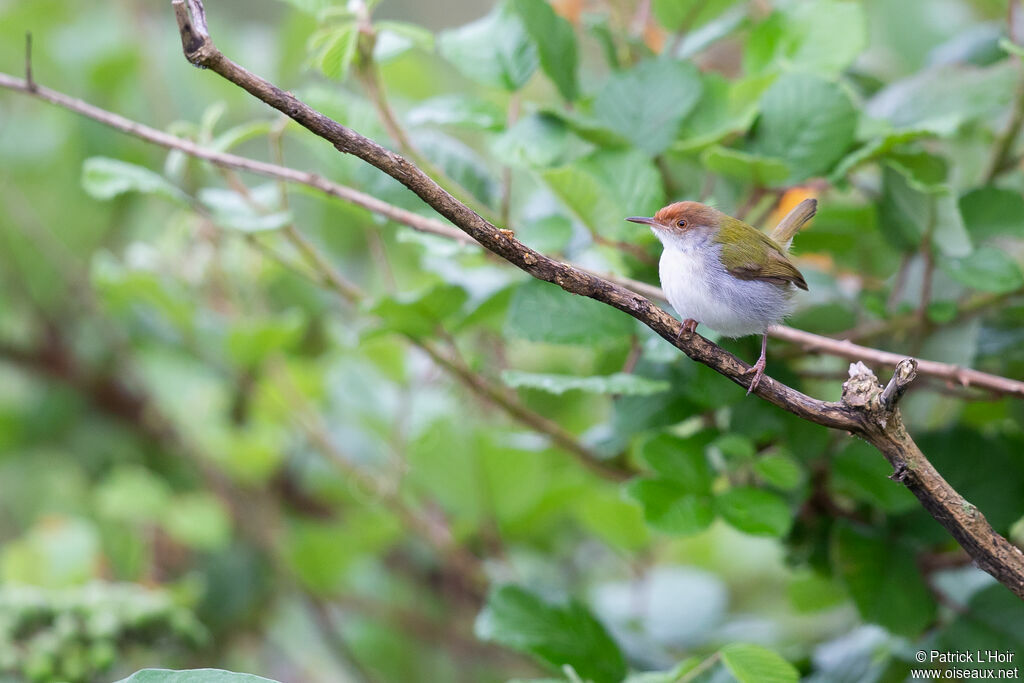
(247, 426)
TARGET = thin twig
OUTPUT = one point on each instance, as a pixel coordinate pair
(30, 84)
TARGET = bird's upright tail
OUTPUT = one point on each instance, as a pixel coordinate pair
(794, 220)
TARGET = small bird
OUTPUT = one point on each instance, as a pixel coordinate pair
(719, 271)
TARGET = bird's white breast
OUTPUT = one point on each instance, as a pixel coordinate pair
(698, 287)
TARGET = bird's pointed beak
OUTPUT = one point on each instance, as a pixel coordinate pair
(641, 219)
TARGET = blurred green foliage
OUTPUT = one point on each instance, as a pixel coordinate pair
(208, 458)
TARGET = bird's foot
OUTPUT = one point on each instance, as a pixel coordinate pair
(758, 370)
(689, 326)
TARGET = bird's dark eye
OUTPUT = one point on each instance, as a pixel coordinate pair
(681, 222)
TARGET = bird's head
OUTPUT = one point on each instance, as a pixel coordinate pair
(681, 220)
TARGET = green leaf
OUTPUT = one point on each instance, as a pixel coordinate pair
(252, 339)
(605, 187)
(944, 98)
(987, 269)
(748, 168)
(549, 234)
(993, 212)
(542, 312)
(859, 471)
(755, 511)
(993, 619)
(806, 121)
(756, 664)
(198, 520)
(104, 178)
(495, 51)
(617, 383)
(686, 15)
(419, 314)
(335, 49)
(460, 162)
(647, 104)
(192, 676)
(670, 507)
(822, 37)
(780, 470)
(681, 460)
(538, 141)
(556, 43)
(242, 133)
(725, 107)
(618, 522)
(877, 148)
(132, 494)
(461, 110)
(557, 635)
(395, 38)
(255, 213)
(883, 580)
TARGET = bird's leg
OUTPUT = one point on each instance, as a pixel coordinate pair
(689, 326)
(758, 367)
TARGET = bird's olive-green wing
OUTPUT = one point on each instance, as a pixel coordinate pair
(749, 254)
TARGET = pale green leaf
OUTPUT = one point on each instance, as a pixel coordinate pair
(104, 178)
(558, 635)
(756, 664)
(617, 383)
(556, 43)
(495, 51)
(647, 104)
(755, 511)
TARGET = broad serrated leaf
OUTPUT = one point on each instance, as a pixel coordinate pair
(336, 48)
(395, 38)
(756, 664)
(419, 314)
(257, 212)
(883, 579)
(681, 460)
(753, 169)
(605, 187)
(822, 37)
(993, 212)
(647, 104)
(670, 507)
(556, 43)
(618, 383)
(806, 121)
(539, 141)
(780, 470)
(495, 51)
(105, 178)
(457, 110)
(944, 98)
(755, 511)
(859, 472)
(986, 269)
(543, 312)
(725, 107)
(558, 635)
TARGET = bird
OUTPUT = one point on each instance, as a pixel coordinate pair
(718, 271)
